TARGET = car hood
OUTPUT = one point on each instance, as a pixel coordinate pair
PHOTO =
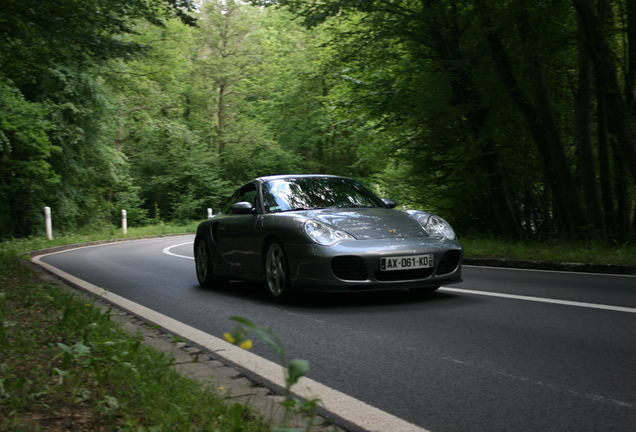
(370, 223)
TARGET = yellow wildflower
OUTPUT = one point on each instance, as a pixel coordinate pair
(246, 344)
(228, 337)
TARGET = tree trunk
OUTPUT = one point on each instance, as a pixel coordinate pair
(605, 172)
(542, 126)
(559, 167)
(463, 90)
(585, 150)
(623, 211)
(607, 80)
(630, 76)
(221, 118)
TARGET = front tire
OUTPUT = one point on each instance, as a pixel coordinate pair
(277, 272)
(203, 264)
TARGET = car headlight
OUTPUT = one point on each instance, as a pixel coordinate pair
(434, 225)
(324, 234)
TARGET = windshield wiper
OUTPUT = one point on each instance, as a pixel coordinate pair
(301, 209)
(352, 206)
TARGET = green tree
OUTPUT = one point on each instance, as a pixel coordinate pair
(171, 173)
(25, 172)
(52, 56)
(227, 58)
(481, 111)
(175, 171)
(299, 99)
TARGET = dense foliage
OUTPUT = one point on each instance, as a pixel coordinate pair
(56, 117)
(515, 119)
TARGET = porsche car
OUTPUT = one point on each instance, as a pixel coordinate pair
(324, 233)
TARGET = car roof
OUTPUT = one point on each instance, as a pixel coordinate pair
(296, 176)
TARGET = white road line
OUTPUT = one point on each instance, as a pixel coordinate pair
(167, 251)
(352, 410)
(486, 293)
(541, 300)
(550, 271)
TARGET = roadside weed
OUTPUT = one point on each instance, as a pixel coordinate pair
(293, 370)
(64, 365)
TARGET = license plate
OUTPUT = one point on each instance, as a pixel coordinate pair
(406, 262)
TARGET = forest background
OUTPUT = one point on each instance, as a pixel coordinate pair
(510, 119)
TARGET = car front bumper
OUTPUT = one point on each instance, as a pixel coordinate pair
(355, 265)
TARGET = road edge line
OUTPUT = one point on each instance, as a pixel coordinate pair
(541, 300)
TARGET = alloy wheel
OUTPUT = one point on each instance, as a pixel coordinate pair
(202, 262)
(275, 271)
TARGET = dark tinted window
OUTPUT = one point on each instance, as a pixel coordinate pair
(315, 193)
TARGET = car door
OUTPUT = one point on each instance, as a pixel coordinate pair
(238, 234)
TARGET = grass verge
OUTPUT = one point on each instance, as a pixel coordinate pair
(556, 251)
(64, 365)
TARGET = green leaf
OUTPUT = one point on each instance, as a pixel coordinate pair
(65, 348)
(297, 369)
(264, 336)
(81, 349)
(243, 321)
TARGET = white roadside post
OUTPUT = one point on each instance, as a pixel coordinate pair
(47, 223)
(124, 222)
(210, 213)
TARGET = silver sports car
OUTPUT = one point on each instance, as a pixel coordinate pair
(324, 233)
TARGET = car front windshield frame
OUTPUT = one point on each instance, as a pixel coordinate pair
(289, 194)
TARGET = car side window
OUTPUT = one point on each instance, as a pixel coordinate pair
(246, 193)
(250, 197)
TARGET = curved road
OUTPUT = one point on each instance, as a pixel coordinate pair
(506, 350)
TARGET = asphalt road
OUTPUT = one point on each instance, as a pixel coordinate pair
(511, 350)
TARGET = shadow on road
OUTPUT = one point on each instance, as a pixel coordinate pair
(257, 292)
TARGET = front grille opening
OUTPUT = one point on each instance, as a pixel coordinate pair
(349, 267)
(449, 262)
(401, 275)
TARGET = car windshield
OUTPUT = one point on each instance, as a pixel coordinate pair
(316, 193)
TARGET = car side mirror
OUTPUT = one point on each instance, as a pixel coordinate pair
(389, 202)
(242, 207)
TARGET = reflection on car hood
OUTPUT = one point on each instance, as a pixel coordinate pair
(370, 223)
